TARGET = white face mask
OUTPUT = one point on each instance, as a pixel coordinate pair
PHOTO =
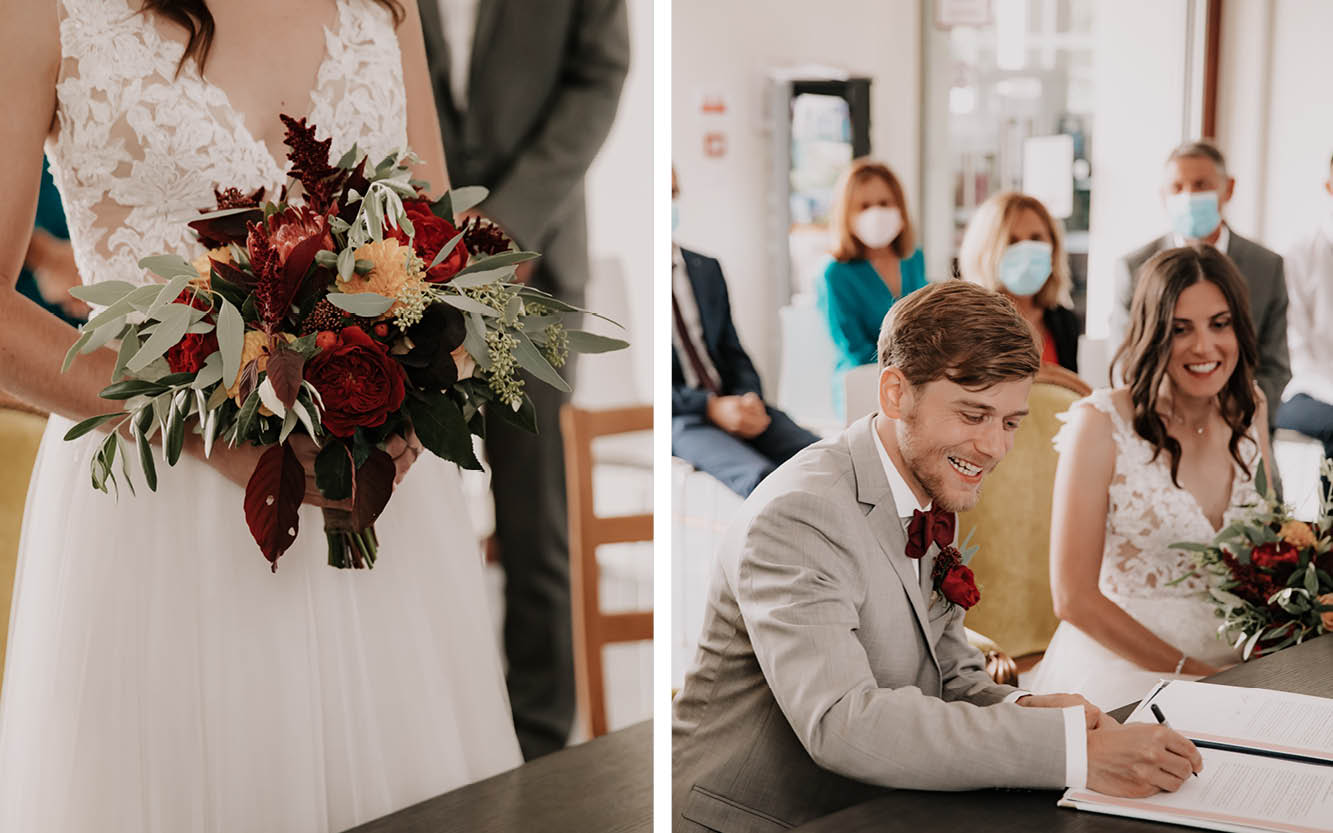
(878, 226)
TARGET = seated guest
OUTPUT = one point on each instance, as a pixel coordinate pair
(1195, 191)
(719, 421)
(1308, 407)
(875, 262)
(1013, 246)
(1169, 457)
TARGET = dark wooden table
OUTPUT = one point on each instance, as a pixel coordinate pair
(603, 786)
(1304, 669)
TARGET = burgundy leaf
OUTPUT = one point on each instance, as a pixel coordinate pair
(249, 378)
(298, 264)
(219, 231)
(273, 500)
(374, 487)
(284, 373)
(231, 274)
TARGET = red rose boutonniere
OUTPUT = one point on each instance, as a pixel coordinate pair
(954, 580)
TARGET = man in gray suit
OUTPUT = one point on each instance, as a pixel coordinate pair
(1195, 191)
(833, 661)
(526, 93)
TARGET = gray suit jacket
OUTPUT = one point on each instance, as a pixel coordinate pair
(824, 672)
(1262, 270)
(543, 89)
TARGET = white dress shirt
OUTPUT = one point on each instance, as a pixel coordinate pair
(458, 18)
(1076, 724)
(683, 292)
(1309, 269)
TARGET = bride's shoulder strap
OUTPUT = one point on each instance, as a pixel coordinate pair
(1099, 400)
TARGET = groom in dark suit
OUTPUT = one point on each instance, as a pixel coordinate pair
(719, 421)
(526, 93)
(1195, 190)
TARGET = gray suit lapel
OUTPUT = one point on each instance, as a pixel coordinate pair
(488, 17)
(872, 488)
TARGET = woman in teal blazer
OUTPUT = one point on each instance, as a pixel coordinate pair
(875, 262)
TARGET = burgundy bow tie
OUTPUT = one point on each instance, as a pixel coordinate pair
(932, 526)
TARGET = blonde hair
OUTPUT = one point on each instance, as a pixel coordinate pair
(987, 237)
(845, 245)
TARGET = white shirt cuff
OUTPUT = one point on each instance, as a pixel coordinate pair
(1076, 747)
(1013, 697)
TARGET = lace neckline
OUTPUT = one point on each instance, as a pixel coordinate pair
(173, 50)
(1128, 434)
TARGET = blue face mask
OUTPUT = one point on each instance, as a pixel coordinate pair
(1025, 266)
(1193, 215)
(675, 216)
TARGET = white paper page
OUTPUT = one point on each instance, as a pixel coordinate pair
(1236, 789)
(1262, 718)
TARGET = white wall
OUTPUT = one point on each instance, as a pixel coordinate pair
(726, 47)
(1141, 100)
(620, 233)
(1273, 97)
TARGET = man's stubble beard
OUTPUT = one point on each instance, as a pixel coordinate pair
(918, 463)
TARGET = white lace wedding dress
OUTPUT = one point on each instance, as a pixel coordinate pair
(160, 678)
(1139, 572)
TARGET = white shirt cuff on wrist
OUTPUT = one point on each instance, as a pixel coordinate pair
(1076, 747)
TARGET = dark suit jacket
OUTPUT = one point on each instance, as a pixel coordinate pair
(1062, 324)
(543, 88)
(724, 346)
(1262, 270)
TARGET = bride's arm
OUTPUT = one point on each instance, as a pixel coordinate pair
(423, 123)
(32, 341)
(1078, 530)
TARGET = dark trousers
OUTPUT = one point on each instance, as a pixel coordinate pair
(1310, 417)
(738, 463)
(532, 531)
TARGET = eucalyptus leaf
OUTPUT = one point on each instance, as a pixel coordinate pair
(169, 266)
(474, 340)
(129, 345)
(217, 397)
(74, 348)
(480, 278)
(364, 304)
(467, 304)
(469, 196)
(446, 250)
(1249, 645)
(200, 327)
(582, 341)
(102, 336)
(303, 414)
(168, 334)
(124, 462)
(168, 293)
(246, 417)
(132, 387)
(102, 293)
(1311, 580)
(349, 159)
(210, 432)
(209, 374)
(269, 398)
(491, 262)
(231, 341)
(326, 259)
(531, 360)
(289, 422)
(346, 263)
(81, 428)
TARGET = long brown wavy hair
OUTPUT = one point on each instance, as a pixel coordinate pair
(1147, 348)
(195, 18)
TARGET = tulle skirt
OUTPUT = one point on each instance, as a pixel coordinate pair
(160, 678)
(1075, 662)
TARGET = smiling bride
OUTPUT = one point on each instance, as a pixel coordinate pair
(1170, 457)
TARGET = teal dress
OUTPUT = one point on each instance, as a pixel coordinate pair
(51, 217)
(854, 300)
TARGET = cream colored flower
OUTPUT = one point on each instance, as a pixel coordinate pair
(201, 265)
(1297, 533)
(390, 276)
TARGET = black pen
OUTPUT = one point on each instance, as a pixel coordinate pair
(1161, 718)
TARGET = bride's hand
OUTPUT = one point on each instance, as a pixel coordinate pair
(1093, 714)
(404, 450)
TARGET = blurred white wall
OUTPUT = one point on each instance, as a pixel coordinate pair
(1141, 99)
(1274, 120)
(620, 234)
(726, 48)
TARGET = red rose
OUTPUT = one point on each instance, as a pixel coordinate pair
(431, 235)
(358, 380)
(960, 587)
(1272, 556)
(188, 355)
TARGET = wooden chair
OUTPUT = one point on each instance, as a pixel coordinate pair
(593, 628)
(1011, 525)
(21, 427)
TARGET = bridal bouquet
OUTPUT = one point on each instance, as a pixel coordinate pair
(1276, 573)
(359, 312)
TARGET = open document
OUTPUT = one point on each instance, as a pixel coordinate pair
(1267, 761)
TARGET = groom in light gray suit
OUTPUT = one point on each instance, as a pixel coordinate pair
(832, 663)
(527, 91)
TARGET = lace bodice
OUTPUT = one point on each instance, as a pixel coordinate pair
(138, 150)
(1147, 513)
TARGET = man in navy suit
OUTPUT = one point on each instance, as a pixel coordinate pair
(719, 421)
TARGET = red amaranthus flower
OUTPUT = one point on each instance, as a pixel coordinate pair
(310, 164)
